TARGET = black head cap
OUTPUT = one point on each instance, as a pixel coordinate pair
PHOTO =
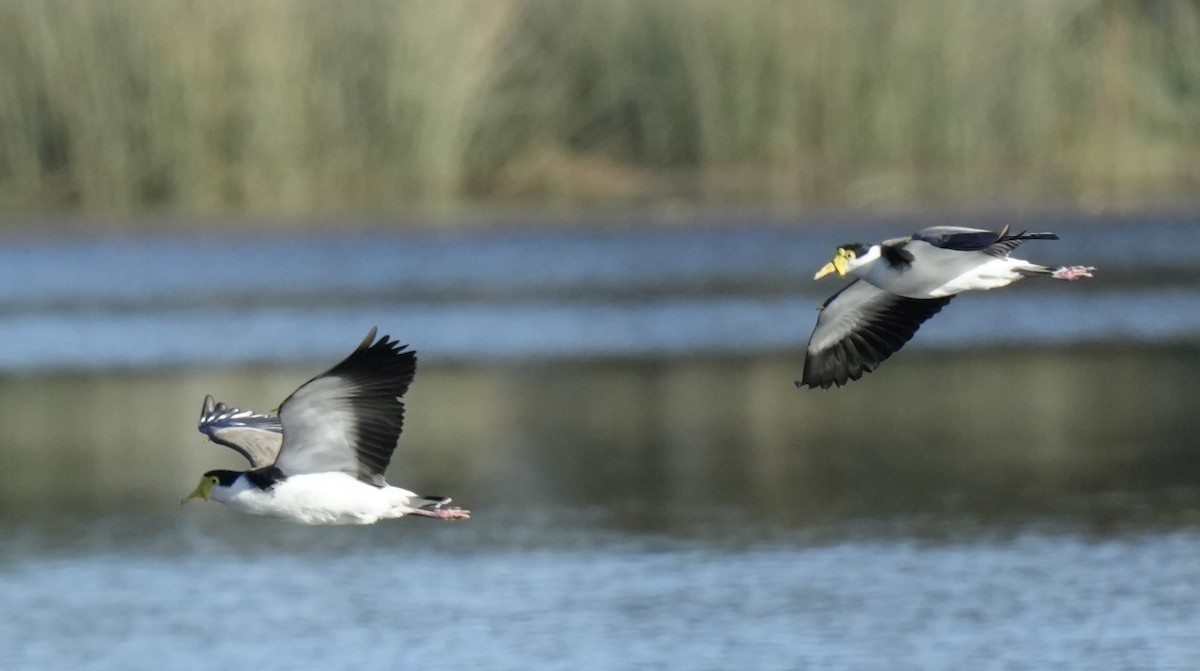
(224, 478)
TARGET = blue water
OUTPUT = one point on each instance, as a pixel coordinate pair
(510, 591)
(104, 304)
(533, 583)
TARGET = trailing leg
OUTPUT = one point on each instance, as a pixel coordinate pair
(1072, 273)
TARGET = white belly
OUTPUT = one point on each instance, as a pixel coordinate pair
(954, 278)
(318, 498)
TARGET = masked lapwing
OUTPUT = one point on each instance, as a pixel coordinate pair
(902, 282)
(321, 459)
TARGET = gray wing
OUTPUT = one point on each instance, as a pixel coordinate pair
(256, 437)
(995, 243)
(857, 329)
(349, 418)
(959, 238)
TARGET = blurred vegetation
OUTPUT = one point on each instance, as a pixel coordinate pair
(271, 107)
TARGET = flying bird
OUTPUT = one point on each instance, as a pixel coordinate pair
(902, 282)
(321, 459)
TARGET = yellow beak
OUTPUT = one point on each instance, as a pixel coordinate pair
(838, 265)
(202, 490)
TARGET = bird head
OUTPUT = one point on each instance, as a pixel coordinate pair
(842, 259)
(211, 479)
(202, 490)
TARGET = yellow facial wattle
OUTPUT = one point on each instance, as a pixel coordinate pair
(838, 264)
(202, 490)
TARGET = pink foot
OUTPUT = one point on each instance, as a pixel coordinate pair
(438, 508)
(451, 514)
(1072, 273)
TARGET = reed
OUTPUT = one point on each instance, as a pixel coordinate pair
(272, 108)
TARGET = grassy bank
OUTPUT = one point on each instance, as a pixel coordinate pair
(267, 108)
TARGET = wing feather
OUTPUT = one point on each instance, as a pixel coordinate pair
(961, 239)
(349, 418)
(255, 436)
(857, 329)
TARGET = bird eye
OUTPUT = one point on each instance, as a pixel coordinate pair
(212, 480)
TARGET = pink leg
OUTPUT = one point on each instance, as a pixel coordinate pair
(1071, 273)
(449, 513)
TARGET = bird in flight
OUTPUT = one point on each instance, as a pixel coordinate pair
(321, 459)
(900, 283)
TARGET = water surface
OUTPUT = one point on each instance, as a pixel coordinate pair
(1019, 488)
(520, 589)
(742, 286)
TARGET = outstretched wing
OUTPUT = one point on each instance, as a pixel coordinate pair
(349, 418)
(857, 329)
(256, 437)
(977, 240)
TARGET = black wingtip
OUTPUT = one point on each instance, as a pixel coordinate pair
(370, 339)
(383, 342)
(864, 347)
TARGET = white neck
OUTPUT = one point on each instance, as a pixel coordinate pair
(858, 265)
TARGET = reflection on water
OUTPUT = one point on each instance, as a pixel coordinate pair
(980, 433)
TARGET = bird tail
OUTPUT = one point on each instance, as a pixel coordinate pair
(1005, 243)
(1025, 235)
(438, 507)
(1034, 269)
(430, 502)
